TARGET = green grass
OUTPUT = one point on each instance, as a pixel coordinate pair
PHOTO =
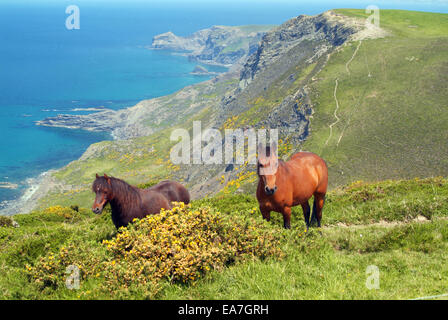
(364, 224)
(406, 23)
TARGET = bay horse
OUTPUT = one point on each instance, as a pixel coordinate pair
(283, 185)
(129, 202)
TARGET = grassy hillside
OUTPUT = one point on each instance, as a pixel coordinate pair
(399, 226)
(386, 101)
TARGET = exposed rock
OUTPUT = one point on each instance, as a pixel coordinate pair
(146, 117)
(201, 71)
(325, 30)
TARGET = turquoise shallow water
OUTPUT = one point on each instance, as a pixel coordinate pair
(46, 69)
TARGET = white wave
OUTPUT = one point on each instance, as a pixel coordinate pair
(88, 109)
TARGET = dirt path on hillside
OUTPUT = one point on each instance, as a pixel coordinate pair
(336, 99)
(384, 223)
(335, 112)
(353, 56)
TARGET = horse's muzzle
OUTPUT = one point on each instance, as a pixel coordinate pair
(270, 191)
(97, 210)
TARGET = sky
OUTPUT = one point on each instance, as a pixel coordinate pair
(416, 5)
(355, 3)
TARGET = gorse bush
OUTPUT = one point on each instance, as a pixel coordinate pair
(176, 246)
(182, 244)
(50, 271)
(67, 213)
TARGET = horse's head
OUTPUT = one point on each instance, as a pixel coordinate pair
(267, 167)
(102, 187)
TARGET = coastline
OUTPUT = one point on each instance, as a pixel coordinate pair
(37, 188)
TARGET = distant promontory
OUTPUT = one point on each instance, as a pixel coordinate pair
(222, 45)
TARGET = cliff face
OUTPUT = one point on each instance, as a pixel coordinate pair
(218, 44)
(326, 31)
(274, 70)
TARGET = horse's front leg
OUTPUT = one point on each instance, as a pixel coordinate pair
(287, 217)
(266, 213)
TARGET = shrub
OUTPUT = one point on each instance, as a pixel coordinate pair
(178, 245)
(64, 212)
(6, 221)
(50, 270)
(182, 244)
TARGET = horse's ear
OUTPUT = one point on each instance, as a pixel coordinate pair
(107, 178)
(97, 176)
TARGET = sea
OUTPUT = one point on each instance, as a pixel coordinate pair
(47, 69)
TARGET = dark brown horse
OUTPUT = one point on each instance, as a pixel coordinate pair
(129, 202)
(283, 185)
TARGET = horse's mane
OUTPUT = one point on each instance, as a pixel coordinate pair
(123, 193)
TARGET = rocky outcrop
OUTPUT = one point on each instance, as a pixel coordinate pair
(217, 45)
(324, 31)
(201, 71)
(101, 121)
(148, 116)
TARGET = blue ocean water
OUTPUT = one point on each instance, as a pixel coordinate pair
(46, 69)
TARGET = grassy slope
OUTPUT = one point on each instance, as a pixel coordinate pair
(410, 255)
(394, 123)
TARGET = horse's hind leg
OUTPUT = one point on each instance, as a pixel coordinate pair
(318, 205)
(313, 214)
(306, 214)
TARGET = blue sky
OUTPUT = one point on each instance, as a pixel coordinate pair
(211, 2)
(422, 5)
